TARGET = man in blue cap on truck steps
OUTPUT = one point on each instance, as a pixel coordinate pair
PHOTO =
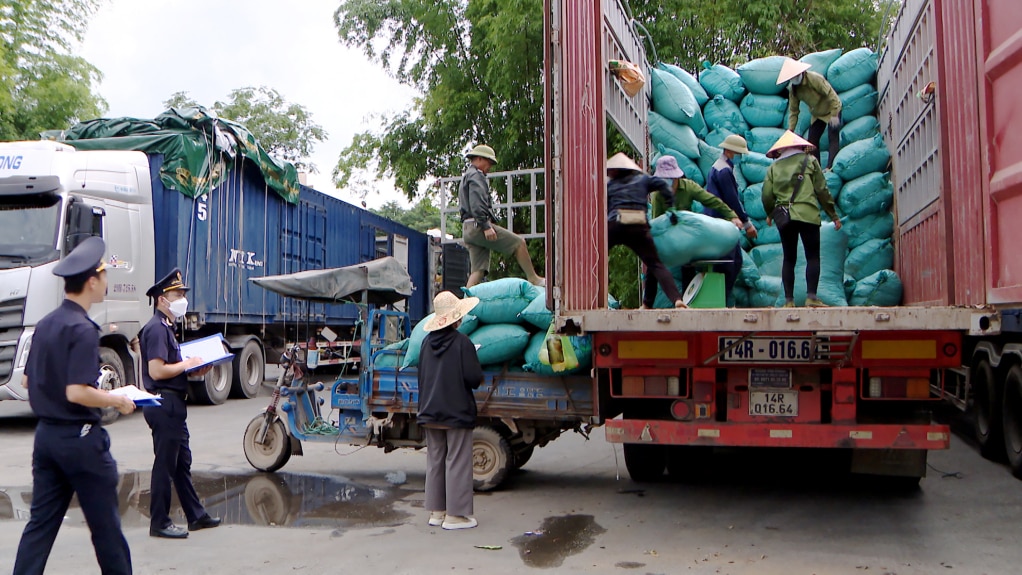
(71, 455)
(165, 373)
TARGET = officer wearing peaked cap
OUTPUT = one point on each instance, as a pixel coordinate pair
(164, 372)
(71, 454)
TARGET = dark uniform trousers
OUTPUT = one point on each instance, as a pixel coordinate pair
(64, 463)
(173, 463)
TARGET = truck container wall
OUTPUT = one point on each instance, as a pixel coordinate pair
(243, 229)
(954, 151)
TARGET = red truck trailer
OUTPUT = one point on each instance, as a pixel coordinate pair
(950, 108)
(672, 384)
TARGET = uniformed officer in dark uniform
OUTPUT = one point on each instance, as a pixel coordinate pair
(164, 373)
(72, 452)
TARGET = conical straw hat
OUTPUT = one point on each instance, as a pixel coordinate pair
(790, 69)
(619, 161)
(788, 140)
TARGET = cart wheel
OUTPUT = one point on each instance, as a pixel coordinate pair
(491, 458)
(645, 462)
(266, 499)
(1012, 409)
(249, 368)
(522, 456)
(274, 452)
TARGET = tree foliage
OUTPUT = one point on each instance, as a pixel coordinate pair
(423, 216)
(284, 129)
(43, 84)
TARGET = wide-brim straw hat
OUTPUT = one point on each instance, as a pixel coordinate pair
(448, 309)
(620, 161)
(667, 167)
(790, 69)
(788, 140)
(736, 144)
(482, 151)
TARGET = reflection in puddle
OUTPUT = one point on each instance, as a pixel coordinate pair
(270, 499)
(556, 539)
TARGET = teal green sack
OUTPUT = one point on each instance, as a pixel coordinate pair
(689, 80)
(872, 227)
(583, 346)
(768, 259)
(852, 69)
(749, 274)
(762, 111)
(752, 200)
(821, 61)
(754, 167)
(765, 234)
(536, 313)
(500, 301)
(868, 258)
(683, 237)
(716, 137)
(723, 114)
(672, 135)
(392, 359)
(862, 157)
(499, 343)
(863, 128)
(469, 324)
(882, 289)
(760, 75)
(834, 184)
(674, 101)
(762, 139)
(766, 292)
(708, 155)
(719, 80)
(869, 194)
(857, 103)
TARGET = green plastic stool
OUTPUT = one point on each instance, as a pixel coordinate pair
(707, 288)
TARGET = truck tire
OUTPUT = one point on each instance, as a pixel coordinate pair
(688, 462)
(645, 463)
(249, 369)
(1012, 409)
(522, 456)
(987, 409)
(274, 451)
(491, 458)
(112, 376)
(214, 387)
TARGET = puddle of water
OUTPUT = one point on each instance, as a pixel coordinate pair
(265, 499)
(556, 539)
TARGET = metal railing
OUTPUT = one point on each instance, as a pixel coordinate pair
(507, 186)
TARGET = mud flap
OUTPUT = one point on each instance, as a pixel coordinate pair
(894, 462)
(296, 445)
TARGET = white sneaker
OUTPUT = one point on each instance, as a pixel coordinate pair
(455, 522)
(436, 518)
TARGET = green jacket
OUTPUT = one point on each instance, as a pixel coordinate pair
(817, 93)
(683, 196)
(811, 195)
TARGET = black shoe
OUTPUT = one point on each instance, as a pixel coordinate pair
(204, 522)
(169, 532)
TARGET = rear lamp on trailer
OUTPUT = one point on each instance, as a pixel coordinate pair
(899, 388)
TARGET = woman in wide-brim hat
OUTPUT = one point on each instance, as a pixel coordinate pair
(449, 372)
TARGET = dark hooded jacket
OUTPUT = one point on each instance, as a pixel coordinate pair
(448, 372)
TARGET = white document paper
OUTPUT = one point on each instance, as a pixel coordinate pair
(211, 349)
(139, 396)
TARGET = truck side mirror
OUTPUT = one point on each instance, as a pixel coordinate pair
(83, 222)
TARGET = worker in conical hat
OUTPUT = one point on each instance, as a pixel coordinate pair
(795, 183)
(823, 102)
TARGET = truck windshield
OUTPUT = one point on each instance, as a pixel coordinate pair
(28, 233)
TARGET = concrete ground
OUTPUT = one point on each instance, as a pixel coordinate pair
(572, 509)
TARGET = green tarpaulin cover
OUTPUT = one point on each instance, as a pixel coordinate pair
(198, 148)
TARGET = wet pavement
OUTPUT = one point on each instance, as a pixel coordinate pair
(572, 509)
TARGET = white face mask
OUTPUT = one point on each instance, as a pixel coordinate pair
(796, 80)
(178, 308)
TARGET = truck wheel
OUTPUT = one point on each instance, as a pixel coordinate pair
(274, 451)
(987, 407)
(1012, 408)
(214, 387)
(491, 458)
(688, 462)
(249, 368)
(645, 462)
(111, 376)
(522, 456)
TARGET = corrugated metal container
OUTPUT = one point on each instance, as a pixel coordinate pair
(953, 154)
(243, 230)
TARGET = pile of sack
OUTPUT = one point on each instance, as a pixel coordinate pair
(690, 117)
(509, 328)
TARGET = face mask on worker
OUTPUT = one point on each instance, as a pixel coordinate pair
(797, 80)
(178, 308)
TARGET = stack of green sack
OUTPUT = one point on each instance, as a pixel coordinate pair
(691, 117)
(509, 328)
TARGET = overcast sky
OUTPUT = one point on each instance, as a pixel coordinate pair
(149, 49)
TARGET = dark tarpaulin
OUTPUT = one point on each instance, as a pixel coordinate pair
(385, 279)
(198, 149)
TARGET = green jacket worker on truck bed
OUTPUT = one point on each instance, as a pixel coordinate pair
(824, 104)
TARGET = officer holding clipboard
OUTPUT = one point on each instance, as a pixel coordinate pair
(164, 373)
